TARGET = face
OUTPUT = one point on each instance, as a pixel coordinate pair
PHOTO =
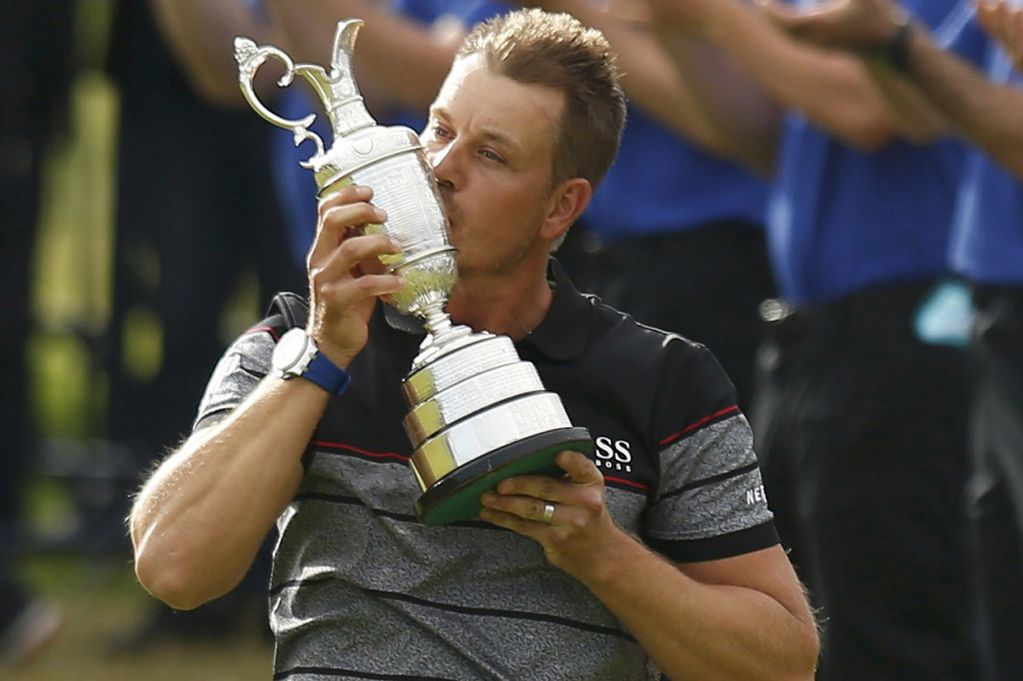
(490, 140)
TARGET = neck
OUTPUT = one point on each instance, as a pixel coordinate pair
(502, 305)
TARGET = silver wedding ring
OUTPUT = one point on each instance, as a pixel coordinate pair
(548, 513)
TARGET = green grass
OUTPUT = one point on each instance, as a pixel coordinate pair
(102, 602)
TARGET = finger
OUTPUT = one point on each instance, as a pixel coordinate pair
(996, 24)
(348, 293)
(985, 9)
(353, 193)
(336, 224)
(515, 523)
(524, 506)
(349, 255)
(1011, 25)
(1017, 47)
(1004, 24)
(579, 468)
(542, 487)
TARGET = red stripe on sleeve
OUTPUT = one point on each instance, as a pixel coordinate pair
(734, 409)
(269, 329)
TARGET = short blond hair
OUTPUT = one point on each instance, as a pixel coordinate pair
(534, 47)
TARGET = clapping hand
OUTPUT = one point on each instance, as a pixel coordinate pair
(1004, 23)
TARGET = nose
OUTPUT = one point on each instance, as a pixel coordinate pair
(445, 165)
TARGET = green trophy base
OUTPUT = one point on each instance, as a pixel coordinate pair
(456, 497)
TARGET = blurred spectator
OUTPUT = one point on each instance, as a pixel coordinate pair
(675, 228)
(685, 254)
(985, 108)
(35, 52)
(861, 421)
(194, 209)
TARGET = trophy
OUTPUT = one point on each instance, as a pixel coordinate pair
(478, 414)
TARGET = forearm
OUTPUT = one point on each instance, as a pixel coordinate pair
(202, 34)
(986, 114)
(830, 88)
(648, 75)
(745, 120)
(200, 519)
(387, 45)
(700, 631)
(919, 119)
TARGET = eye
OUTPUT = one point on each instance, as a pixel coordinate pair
(491, 155)
(438, 131)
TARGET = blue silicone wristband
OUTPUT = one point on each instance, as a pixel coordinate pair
(327, 375)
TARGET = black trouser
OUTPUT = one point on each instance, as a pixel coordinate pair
(705, 283)
(995, 491)
(19, 202)
(862, 435)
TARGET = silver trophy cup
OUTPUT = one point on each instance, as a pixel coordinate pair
(478, 414)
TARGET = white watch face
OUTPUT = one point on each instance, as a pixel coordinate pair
(293, 352)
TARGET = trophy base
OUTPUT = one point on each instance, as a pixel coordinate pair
(456, 497)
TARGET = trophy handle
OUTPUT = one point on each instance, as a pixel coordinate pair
(250, 57)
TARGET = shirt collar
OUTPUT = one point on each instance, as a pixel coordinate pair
(563, 332)
(560, 335)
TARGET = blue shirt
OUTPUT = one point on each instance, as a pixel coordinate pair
(987, 243)
(660, 183)
(840, 220)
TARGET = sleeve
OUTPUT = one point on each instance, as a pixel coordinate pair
(710, 502)
(240, 369)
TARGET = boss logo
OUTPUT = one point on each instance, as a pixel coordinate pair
(614, 455)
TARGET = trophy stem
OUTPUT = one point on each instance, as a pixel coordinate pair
(435, 319)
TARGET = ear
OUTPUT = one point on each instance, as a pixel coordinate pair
(567, 203)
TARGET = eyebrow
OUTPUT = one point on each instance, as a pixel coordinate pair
(487, 134)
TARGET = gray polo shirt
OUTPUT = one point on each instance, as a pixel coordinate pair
(362, 590)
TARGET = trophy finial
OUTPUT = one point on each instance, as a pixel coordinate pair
(344, 47)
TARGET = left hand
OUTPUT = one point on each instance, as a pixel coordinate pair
(580, 530)
(843, 24)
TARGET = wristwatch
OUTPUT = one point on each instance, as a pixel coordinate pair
(296, 354)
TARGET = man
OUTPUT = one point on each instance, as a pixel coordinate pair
(984, 108)
(526, 122)
(862, 421)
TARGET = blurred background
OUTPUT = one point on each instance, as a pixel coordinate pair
(148, 214)
(109, 218)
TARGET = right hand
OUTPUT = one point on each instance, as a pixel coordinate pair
(1004, 23)
(345, 273)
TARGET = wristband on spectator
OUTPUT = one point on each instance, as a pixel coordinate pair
(895, 51)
